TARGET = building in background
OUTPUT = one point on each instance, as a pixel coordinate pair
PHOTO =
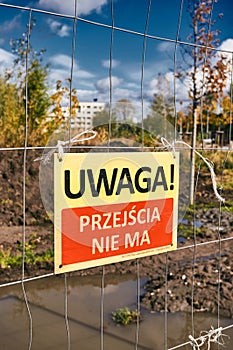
(84, 114)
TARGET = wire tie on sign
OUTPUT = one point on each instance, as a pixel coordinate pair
(61, 144)
(171, 146)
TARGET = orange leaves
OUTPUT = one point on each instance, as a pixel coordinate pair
(216, 76)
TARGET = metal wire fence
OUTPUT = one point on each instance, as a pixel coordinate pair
(210, 337)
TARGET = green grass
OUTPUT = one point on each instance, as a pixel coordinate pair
(188, 230)
(228, 206)
(10, 258)
(125, 316)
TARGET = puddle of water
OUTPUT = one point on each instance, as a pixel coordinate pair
(84, 303)
(181, 239)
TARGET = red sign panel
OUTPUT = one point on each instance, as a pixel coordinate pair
(92, 233)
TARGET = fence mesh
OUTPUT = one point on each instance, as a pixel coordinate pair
(196, 341)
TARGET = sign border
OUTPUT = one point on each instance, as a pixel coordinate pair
(58, 268)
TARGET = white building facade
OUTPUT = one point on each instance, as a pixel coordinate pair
(84, 114)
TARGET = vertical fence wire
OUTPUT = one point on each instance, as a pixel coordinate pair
(175, 66)
(166, 304)
(138, 305)
(66, 311)
(73, 46)
(66, 317)
(219, 255)
(102, 309)
(194, 261)
(175, 137)
(143, 69)
(231, 101)
(110, 72)
(203, 70)
(24, 181)
(228, 153)
(194, 257)
(142, 133)
(109, 143)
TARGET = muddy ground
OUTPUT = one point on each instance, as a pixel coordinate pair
(183, 278)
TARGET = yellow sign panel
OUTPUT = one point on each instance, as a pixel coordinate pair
(111, 207)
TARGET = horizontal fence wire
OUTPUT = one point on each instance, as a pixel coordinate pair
(222, 149)
(124, 30)
(191, 246)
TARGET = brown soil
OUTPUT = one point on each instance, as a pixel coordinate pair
(192, 271)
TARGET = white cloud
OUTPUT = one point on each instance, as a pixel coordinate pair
(227, 45)
(125, 93)
(161, 85)
(61, 60)
(182, 88)
(6, 59)
(56, 74)
(103, 85)
(58, 28)
(60, 68)
(133, 70)
(132, 85)
(106, 63)
(129, 87)
(167, 88)
(165, 46)
(86, 95)
(84, 7)
(11, 24)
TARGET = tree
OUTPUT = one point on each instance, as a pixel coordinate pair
(38, 102)
(11, 110)
(64, 94)
(224, 119)
(204, 74)
(27, 79)
(206, 71)
(124, 110)
(160, 120)
(101, 123)
(102, 117)
(25, 88)
(120, 130)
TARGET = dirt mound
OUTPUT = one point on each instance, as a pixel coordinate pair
(11, 187)
(191, 272)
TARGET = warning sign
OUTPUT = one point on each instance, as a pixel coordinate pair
(114, 207)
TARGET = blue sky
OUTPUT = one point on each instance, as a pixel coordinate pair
(92, 47)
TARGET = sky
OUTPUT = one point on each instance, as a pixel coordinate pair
(91, 49)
